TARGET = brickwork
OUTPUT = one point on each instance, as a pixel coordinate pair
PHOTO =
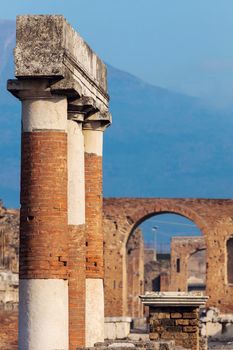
(155, 272)
(8, 330)
(181, 249)
(135, 273)
(212, 216)
(94, 214)
(175, 323)
(164, 282)
(43, 221)
(77, 277)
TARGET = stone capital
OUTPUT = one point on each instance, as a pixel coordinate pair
(29, 89)
(98, 121)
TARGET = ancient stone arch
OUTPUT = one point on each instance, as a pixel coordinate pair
(123, 215)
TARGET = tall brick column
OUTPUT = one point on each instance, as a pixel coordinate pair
(76, 230)
(93, 141)
(43, 285)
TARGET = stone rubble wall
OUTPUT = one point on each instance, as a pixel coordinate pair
(175, 323)
(130, 344)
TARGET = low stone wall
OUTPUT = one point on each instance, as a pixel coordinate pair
(128, 344)
(117, 327)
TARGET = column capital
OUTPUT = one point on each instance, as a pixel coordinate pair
(25, 89)
(42, 88)
(98, 121)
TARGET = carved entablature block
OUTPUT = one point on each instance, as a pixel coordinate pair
(47, 47)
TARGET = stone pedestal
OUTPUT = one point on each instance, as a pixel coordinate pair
(117, 327)
(175, 316)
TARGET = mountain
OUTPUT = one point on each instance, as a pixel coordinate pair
(161, 143)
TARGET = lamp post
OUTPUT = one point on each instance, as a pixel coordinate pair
(154, 230)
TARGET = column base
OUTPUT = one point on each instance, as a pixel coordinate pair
(43, 314)
(94, 311)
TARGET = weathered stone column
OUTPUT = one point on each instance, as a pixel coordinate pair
(54, 68)
(43, 284)
(93, 140)
(76, 229)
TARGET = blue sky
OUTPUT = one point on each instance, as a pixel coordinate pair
(184, 45)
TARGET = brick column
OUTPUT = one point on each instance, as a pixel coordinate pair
(43, 285)
(93, 141)
(76, 230)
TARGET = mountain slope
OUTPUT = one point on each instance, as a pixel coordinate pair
(161, 143)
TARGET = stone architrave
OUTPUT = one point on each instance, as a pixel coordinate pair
(61, 83)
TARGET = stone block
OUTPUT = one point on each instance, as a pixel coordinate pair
(213, 329)
(154, 336)
(47, 46)
(117, 327)
(167, 322)
(109, 330)
(190, 329)
(193, 322)
(163, 315)
(174, 329)
(182, 322)
(176, 315)
(190, 315)
(122, 330)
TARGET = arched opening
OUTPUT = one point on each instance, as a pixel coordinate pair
(166, 252)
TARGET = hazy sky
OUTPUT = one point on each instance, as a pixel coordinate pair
(186, 45)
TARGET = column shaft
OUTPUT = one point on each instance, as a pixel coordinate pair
(43, 287)
(76, 230)
(93, 139)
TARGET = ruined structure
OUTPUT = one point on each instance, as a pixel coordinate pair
(188, 264)
(135, 273)
(175, 315)
(9, 246)
(212, 216)
(63, 89)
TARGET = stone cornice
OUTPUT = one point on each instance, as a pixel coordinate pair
(173, 299)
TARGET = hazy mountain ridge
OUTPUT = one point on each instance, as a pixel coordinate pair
(161, 143)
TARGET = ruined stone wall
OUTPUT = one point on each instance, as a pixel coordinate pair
(135, 273)
(175, 323)
(9, 266)
(182, 273)
(154, 269)
(9, 239)
(123, 215)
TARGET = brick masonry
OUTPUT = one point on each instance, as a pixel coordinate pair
(8, 330)
(43, 221)
(123, 215)
(94, 216)
(135, 273)
(77, 277)
(175, 323)
(183, 248)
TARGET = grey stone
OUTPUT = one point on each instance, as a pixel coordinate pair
(48, 47)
